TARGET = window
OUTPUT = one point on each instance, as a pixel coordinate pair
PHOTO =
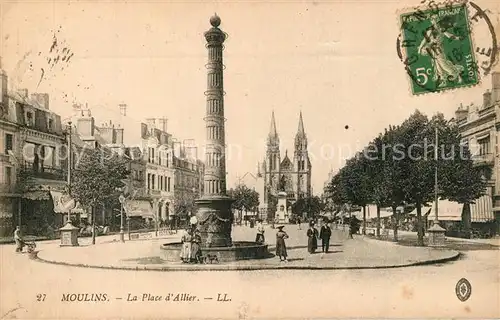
(8, 175)
(50, 124)
(153, 177)
(29, 119)
(168, 184)
(9, 143)
(484, 146)
(149, 180)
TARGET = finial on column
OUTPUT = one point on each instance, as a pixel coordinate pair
(215, 20)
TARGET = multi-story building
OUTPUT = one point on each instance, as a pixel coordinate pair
(189, 171)
(109, 138)
(158, 153)
(480, 127)
(37, 160)
(9, 152)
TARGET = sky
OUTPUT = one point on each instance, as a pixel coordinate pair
(334, 61)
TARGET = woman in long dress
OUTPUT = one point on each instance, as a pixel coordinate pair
(280, 244)
(196, 247)
(186, 239)
(259, 238)
(312, 241)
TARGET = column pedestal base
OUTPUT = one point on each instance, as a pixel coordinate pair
(215, 220)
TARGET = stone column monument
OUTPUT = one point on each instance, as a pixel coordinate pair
(214, 215)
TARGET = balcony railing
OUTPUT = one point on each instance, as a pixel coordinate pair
(483, 159)
(45, 172)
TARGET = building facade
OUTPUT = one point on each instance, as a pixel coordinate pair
(188, 182)
(9, 152)
(292, 176)
(479, 128)
(158, 154)
(35, 155)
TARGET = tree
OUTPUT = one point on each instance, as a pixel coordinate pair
(97, 179)
(459, 179)
(358, 183)
(312, 205)
(244, 198)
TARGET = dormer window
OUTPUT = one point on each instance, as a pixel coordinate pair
(30, 122)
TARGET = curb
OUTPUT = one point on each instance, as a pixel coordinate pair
(453, 257)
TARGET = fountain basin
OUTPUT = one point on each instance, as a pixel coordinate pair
(241, 250)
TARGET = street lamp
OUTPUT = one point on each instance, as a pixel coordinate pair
(436, 232)
(121, 198)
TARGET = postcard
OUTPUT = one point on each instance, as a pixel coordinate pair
(249, 159)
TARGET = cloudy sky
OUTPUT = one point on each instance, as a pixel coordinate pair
(335, 61)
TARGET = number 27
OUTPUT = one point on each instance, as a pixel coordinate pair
(40, 297)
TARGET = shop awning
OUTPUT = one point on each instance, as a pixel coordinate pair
(371, 212)
(62, 204)
(423, 210)
(482, 209)
(447, 211)
(138, 208)
(37, 195)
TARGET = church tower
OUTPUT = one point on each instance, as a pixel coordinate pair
(301, 163)
(273, 160)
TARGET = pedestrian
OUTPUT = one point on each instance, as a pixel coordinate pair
(312, 235)
(259, 238)
(196, 247)
(352, 226)
(325, 234)
(18, 239)
(280, 244)
(186, 240)
(299, 223)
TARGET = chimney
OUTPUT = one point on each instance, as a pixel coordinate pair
(461, 113)
(487, 99)
(41, 99)
(85, 125)
(4, 105)
(162, 123)
(495, 86)
(123, 109)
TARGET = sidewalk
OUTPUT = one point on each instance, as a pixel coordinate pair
(409, 238)
(358, 253)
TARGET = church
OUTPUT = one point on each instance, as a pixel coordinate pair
(291, 175)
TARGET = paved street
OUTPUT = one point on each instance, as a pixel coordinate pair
(345, 253)
(424, 291)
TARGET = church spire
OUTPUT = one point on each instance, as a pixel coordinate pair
(273, 134)
(300, 137)
(301, 132)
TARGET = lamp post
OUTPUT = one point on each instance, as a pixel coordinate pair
(69, 233)
(436, 232)
(70, 162)
(122, 227)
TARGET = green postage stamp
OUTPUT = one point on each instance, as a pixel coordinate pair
(437, 49)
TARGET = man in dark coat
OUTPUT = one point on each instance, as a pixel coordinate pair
(325, 234)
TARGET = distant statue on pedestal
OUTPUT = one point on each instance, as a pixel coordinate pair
(282, 184)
